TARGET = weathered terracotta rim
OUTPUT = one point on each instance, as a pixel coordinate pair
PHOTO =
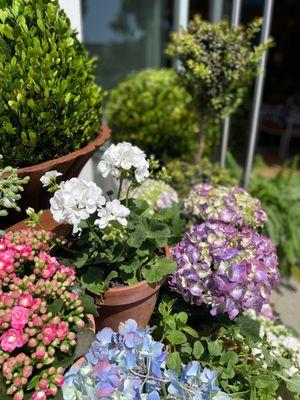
(103, 135)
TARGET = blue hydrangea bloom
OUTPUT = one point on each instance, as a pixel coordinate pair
(130, 365)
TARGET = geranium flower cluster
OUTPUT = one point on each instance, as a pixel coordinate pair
(130, 365)
(232, 205)
(229, 269)
(76, 200)
(156, 193)
(124, 157)
(33, 335)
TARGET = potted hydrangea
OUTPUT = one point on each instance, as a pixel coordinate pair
(228, 269)
(232, 205)
(129, 364)
(157, 193)
(118, 247)
(51, 108)
(40, 316)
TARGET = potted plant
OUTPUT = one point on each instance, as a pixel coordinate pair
(130, 364)
(51, 107)
(10, 187)
(41, 315)
(218, 63)
(119, 247)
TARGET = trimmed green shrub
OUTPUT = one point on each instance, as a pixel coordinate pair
(49, 103)
(187, 174)
(219, 62)
(152, 110)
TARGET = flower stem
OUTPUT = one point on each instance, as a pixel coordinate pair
(120, 188)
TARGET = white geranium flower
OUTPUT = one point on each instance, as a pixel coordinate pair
(75, 201)
(113, 211)
(124, 156)
(48, 176)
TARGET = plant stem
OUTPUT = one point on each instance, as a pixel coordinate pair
(120, 188)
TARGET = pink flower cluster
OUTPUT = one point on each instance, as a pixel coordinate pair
(39, 315)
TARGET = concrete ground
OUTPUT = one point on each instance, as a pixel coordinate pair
(286, 302)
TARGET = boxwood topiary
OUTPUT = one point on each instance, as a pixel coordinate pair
(152, 110)
(49, 102)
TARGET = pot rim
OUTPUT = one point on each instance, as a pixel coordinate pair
(102, 136)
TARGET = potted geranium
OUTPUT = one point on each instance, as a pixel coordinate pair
(41, 314)
(117, 245)
(51, 107)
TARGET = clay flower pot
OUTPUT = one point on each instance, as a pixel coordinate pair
(70, 165)
(118, 304)
(121, 303)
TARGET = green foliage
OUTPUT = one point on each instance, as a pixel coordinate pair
(10, 187)
(246, 368)
(280, 197)
(127, 256)
(153, 111)
(185, 174)
(50, 104)
(219, 63)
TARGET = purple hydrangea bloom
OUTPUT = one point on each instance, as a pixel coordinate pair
(130, 365)
(229, 269)
(231, 205)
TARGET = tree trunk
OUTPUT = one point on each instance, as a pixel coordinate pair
(201, 139)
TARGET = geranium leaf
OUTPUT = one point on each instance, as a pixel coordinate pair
(155, 272)
(293, 384)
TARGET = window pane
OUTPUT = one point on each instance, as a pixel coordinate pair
(125, 35)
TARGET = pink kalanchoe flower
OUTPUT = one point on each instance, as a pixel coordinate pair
(12, 339)
(30, 337)
(49, 333)
(19, 317)
(25, 300)
(62, 331)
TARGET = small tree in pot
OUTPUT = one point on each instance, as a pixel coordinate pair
(51, 108)
(50, 104)
(218, 63)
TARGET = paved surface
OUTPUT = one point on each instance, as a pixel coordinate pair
(286, 301)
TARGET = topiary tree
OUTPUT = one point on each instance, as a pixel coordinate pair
(153, 111)
(49, 102)
(218, 63)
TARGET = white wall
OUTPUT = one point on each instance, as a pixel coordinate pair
(73, 10)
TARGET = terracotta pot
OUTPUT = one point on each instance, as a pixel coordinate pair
(121, 303)
(135, 302)
(70, 165)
